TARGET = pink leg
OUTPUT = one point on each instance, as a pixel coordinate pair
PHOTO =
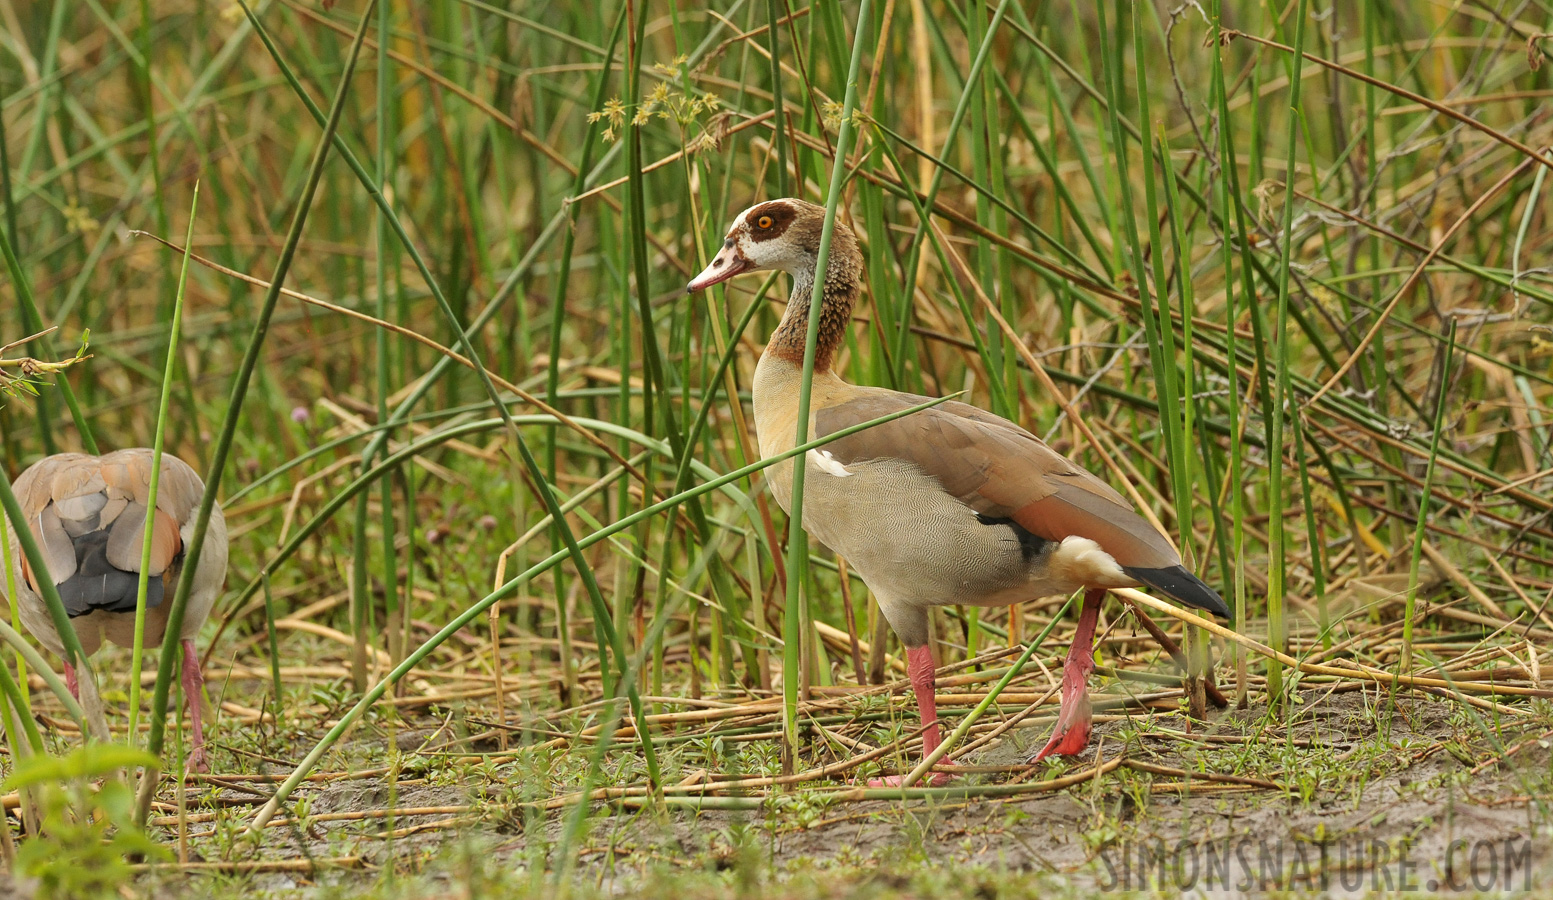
(193, 689)
(1071, 735)
(72, 683)
(919, 668)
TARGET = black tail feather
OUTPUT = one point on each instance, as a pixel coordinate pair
(1177, 582)
(100, 585)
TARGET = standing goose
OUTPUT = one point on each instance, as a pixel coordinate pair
(88, 515)
(949, 505)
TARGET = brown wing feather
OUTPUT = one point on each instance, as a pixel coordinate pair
(124, 478)
(69, 475)
(58, 551)
(36, 489)
(126, 539)
(166, 542)
(179, 492)
(997, 469)
(127, 475)
(989, 464)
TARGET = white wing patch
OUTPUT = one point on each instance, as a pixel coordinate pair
(829, 464)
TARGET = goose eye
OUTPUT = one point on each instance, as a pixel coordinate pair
(764, 222)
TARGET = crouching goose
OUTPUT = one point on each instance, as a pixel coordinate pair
(88, 515)
(949, 505)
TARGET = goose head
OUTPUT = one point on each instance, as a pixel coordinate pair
(778, 234)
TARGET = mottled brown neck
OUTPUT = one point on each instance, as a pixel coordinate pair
(842, 281)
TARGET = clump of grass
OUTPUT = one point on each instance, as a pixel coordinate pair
(88, 819)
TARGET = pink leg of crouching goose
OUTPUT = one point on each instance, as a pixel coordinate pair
(1071, 735)
(920, 669)
(193, 692)
(71, 682)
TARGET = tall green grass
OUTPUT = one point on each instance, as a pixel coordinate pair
(1190, 238)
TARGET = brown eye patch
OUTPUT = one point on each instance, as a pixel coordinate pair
(770, 220)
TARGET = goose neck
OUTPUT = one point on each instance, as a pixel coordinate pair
(839, 295)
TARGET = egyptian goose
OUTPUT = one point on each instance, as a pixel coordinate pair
(88, 515)
(949, 505)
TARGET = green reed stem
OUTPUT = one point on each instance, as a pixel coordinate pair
(1278, 550)
(1228, 188)
(798, 544)
(45, 582)
(1405, 663)
(56, 685)
(382, 365)
(156, 477)
(8, 564)
(1318, 569)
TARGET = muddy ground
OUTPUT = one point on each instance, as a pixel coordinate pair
(1368, 801)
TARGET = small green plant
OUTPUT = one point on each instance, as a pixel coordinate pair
(88, 829)
(28, 370)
